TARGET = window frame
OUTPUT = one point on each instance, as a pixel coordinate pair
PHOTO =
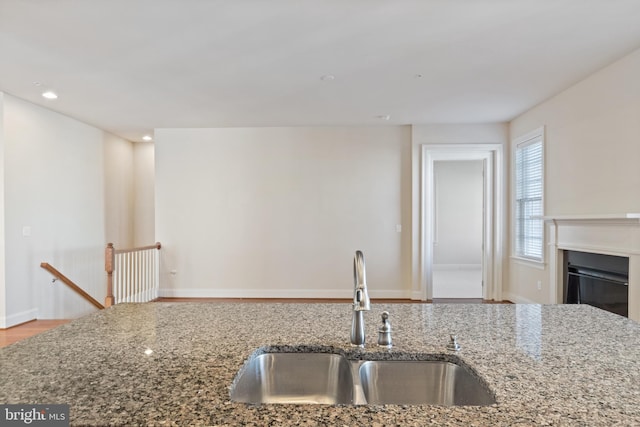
(518, 144)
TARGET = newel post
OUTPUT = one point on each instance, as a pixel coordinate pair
(109, 258)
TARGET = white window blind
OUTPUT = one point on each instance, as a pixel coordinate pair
(529, 231)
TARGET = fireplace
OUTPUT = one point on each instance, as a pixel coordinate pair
(615, 235)
(598, 280)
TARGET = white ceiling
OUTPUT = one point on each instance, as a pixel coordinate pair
(130, 66)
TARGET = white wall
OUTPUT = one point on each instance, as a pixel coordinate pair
(144, 187)
(119, 191)
(280, 212)
(54, 176)
(458, 224)
(3, 289)
(481, 133)
(592, 152)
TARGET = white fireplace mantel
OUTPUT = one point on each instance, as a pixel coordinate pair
(609, 234)
(627, 217)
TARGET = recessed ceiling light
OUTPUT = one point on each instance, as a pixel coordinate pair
(146, 138)
(328, 77)
(384, 117)
(49, 95)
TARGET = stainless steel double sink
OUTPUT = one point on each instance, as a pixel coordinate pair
(327, 378)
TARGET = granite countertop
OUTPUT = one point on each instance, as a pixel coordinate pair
(547, 365)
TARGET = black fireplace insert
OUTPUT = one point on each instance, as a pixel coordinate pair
(598, 280)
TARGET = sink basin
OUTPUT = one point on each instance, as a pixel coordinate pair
(421, 383)
(326, 378)
(295, 378)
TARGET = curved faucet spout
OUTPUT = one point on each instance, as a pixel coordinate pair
(360, 295)
(361, 301)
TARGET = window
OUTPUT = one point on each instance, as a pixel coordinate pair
(529, 186)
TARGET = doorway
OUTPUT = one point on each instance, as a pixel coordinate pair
(491, 215)
(457, 228)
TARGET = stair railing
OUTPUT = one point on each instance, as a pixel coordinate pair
(132, 274)
(64, 279)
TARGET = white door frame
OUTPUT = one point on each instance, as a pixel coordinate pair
(493, 244)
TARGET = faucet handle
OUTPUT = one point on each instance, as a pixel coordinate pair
(385, 319)
(384, 332)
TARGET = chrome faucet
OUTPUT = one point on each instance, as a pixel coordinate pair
(361, 301)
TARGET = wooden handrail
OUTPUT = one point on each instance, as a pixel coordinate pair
(72, 285)
(157, 245)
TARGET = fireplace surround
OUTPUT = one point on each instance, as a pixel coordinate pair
(611, 234)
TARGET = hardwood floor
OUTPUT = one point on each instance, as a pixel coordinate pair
(26, 330)
(284, 300)
(337, 300)
(467, 301)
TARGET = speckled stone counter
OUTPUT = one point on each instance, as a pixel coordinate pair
(547, 365)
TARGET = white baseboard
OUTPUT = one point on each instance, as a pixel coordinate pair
(448, 267)
(517, 299)
(278, 293)
(416, 296)
(18, 318)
